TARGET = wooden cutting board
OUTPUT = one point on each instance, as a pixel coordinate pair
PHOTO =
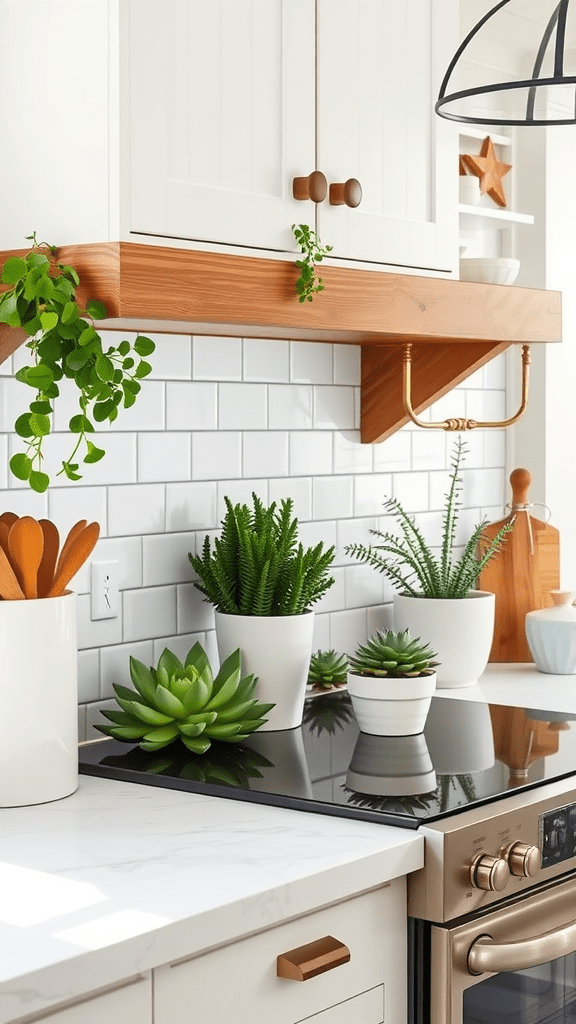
(522, 574)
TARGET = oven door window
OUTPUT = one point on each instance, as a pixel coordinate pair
(539, 995)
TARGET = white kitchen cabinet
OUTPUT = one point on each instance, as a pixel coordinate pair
(239, 981)
(226, 107)
(129, 1003)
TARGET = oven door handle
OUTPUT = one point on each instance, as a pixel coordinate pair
(485, 955)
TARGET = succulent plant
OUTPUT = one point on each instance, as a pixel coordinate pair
(393, 654)
(184, 701)
(327, 669)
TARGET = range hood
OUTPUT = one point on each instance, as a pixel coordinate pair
(454, 326)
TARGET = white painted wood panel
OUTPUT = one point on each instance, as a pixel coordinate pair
(379, 63)
(127, 1004)
(221, 118)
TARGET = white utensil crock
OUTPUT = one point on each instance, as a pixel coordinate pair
(459, 630)
(38, 700)
(277, 649)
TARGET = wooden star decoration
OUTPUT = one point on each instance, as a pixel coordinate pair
(490, 170)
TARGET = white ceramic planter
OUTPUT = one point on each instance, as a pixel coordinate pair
(391, 766)
(277, 649)
(391, 707)
(459, 630)
(38, 700)
(551, 635)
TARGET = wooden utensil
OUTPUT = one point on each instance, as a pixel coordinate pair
(9, 518)
(10, 588)
(47, 566)
(79, 550)
(4, 531)
(73, 533)
(26, 545)
(522, 574)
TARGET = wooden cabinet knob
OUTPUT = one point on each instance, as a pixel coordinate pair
(347, 193)
(314, 187)
(314, 958)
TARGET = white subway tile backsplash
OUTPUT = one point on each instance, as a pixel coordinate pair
(297, 488)
(265, 453)
(194, 613)
(449, 406)
(334, 408)
(148, 413)
(165, 456)
(3, 461)
(242, 406)
(88, 675)
(347, 364)
(191, 406)
(67, 506)
(335, 597)
(495, 372)
(118, 466)
(216, 455)
(179, 645)
(266, 360)
(100, 633)
(136, 510)
(380, 617)
(94, 717)
(483, 487)
(240, 493)
(191, 506)
(370, 493)
(364, 586)
(494, 448)
(428, 450)
(149, 613)
(394, 455)
(127, 552)
(310, 453)
(172, 359)
(116, 665)
(311, 362)
(6, 369)
(165, 558)
(216, 358)
(348, 629)
(321, 637)
(489, 405)
(350, 456)
(332, 497)
(439, 484)
(289, 406)
(353, 531)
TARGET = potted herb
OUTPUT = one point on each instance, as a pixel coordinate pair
(327, 671)
(391, 682)
(185, 702)
(436, 596)
(262, 584)
(39, 297)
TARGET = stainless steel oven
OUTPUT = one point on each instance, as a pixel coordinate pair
(493, 914)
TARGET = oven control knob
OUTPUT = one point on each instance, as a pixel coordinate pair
(523, 860)
(489, 873)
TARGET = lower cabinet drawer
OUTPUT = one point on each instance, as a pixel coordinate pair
(239, 981)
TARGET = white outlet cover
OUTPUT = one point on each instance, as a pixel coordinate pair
(104, 598)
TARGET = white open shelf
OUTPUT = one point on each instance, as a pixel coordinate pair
(468, 132)
(471, 217)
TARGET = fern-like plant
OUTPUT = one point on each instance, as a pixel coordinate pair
(257, 566)
(409, 562)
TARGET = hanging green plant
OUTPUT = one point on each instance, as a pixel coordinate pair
(40, 298)
(309, 282)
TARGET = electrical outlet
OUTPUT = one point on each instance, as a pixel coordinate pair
(104, 600)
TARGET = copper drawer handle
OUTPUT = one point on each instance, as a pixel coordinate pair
(314, 958)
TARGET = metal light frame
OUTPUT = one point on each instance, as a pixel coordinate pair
(558, 22)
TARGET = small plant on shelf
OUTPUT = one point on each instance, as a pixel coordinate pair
(186, 702)
(309, 283)
(257, 566)
(409, 562)
(39, 297)
(328, 670)
(393, 654)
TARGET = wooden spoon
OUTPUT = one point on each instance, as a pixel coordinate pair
(9, 518)
(4, 531)
(80, 549)
(10, 589)
(26, 545)
(47, 566)
(74, 531)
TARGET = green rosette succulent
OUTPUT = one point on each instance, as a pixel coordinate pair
(393, 654)
(184, 701)
(327, 669)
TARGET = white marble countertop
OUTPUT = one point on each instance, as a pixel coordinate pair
(119, 878)
(520, 684)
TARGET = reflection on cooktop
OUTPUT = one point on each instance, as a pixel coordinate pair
(469, 753)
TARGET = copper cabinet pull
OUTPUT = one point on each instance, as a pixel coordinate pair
(347, 193)
(486, 955)
(314, 187)
(314, 958)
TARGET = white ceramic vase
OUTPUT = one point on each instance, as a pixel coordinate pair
(551, 635)
(38, 700)
(391, 707)
(277, 649)
(459, 630)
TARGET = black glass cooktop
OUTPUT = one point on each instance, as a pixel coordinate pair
(469, 753)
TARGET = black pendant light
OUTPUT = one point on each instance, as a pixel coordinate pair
(544, 94)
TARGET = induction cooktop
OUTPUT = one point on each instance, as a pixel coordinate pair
(470, 753)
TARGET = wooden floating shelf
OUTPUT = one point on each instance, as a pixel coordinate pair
(456, 326)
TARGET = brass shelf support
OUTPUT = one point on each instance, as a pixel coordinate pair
(461, 423)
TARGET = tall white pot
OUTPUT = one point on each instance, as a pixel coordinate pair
(460, 630)
(38, 700)
(277, 649)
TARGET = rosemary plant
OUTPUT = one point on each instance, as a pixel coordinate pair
(409, 562)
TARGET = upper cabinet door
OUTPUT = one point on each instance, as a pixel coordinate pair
(221, 115)
(379, 67)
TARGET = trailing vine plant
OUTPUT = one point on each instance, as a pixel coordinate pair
(40, 297)
(309, 282)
